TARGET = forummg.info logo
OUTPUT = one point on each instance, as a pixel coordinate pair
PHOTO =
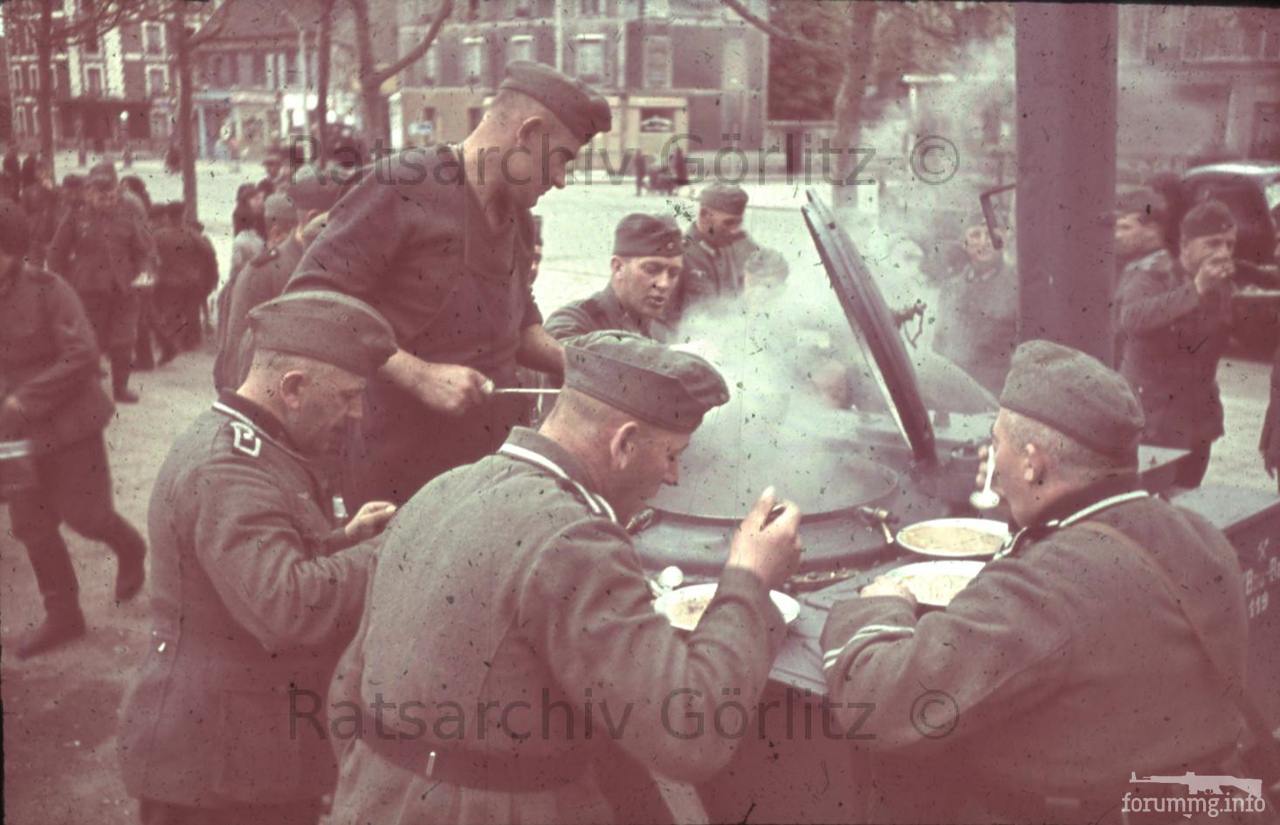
(1205, 795)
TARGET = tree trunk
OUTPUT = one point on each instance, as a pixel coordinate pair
(324, 50)
(186, 139)
(44, 94)
(367, 72)
(848, 105)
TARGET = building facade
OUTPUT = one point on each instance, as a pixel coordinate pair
(674, 71)
(1200, 80)
(255, 82)
(107, 90)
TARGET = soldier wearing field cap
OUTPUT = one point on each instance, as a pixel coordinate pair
(1141, 218)
(1107, 638)
(644, 275)
(1176, 317)
(440, 240)
(257, 583)
(263, 279)
(53, 411)
(532, 598)
(715, 248)
(101, 249)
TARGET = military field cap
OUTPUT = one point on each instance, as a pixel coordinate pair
(1075, 394)
(327, 326)
(103, 175)
(1142, 200)
(639, 376)
(279, 208)
(639, 235)
(14, 230)
(1208, 218)
(316, 188)
(579, 107)
(724, 197)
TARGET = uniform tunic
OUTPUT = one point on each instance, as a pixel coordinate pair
(263, 279)
(1064, 666)
(1175, 338)
(532, 593)
(100, 254)
(412, 240)
(600, 311)
(252, 603)
(977, 327)
(710, 271)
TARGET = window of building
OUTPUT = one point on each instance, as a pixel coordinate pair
(432, 63)
(20, 120)
(473, 65)
(153, 38)
(93, 80)
(522, 8)
(590, 8)
(91, 44)
(589, 51)
(259, 70)
(18, 85)
(520, 48)
(156, 86)
(657, 63)
(33, 82)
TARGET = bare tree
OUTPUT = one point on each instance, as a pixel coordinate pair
(89, 22)
(873, 40)
(323, 64)
(372, 77)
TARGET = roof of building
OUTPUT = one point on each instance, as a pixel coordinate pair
(268, 19)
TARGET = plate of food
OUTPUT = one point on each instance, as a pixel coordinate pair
(936, 583)
(684, 607)
(955, 538)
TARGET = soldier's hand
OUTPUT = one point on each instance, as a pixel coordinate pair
(885, 586)
(451, 388)
(370, 521)
(771, 550)
(1213, 273)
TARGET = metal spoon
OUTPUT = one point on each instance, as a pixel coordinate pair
(986, 498)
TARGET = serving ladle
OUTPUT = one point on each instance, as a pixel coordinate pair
(986, 498)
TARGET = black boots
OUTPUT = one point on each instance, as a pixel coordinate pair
(131, 571)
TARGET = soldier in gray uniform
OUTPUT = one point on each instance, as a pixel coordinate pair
(51, 398)
(1176, 316)
(715, 248)
(1139, 231)
(977, 319)
(644, 274)
(1107, 638)
(440, 241)
(257, 585)
(288, 215)
(531, 602)
(100, 250)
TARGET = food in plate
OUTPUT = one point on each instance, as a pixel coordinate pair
(684, 607)
(936, 583)
(957, 537)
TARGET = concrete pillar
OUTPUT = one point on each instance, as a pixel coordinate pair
(1066, 100)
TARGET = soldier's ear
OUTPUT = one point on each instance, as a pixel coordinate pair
(623, 445)
(291, 384)
(1035, 464)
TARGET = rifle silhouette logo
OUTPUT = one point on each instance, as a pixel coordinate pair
(1196, 784)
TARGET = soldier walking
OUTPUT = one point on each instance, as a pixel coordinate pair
(101, 250)
(51, 402)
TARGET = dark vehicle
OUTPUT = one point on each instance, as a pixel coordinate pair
(1251, 190)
